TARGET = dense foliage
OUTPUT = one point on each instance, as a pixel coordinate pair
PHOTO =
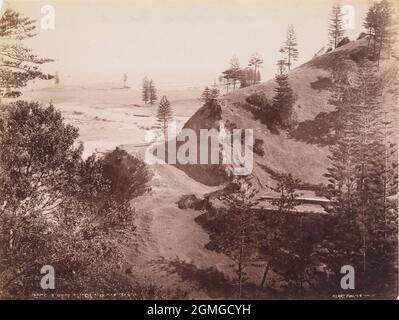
(59, 209)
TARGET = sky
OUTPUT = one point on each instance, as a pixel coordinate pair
(176, 43)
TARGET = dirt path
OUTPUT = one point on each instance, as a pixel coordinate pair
(166, 234)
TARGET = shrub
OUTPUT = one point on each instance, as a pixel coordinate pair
(127, 174)
(58, 209)
(191, 201)
(322, 83)
(258, 99)
(319, 131)
(263, 110)
(258, 147)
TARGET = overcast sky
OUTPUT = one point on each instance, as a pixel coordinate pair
(176, 43)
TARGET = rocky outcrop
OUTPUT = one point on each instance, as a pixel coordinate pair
(208, 117)
(343, 42)
(191, 201)
(323, 50)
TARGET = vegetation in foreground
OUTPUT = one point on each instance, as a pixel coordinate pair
(60, 209)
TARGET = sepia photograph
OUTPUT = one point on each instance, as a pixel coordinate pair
(199, 150)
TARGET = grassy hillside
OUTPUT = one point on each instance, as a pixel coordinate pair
(308, 80)
(304, 160)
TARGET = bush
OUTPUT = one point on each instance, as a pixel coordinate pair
(190, 201)
(258, 99)
(287, 242)
(322, 83)
(320, 131)
(58, 209)
(258, 147)
(37, 150)
(128, 175)
(264, 111)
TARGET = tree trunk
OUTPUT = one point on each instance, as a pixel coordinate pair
(239, 280)
(240, 265)
(379, 51)
(385, 175)
(265, 272)
(368, 43)
(364, 253)
(363, 213)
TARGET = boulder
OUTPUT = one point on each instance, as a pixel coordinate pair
(323, 50)
(190, 201)
(362, 35)
(343, 42)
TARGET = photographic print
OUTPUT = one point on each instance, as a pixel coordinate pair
(198, 150)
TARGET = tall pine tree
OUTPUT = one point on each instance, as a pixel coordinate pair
(18, 65)
(284, 100)
(164, 115)
(239, 241)
(152, 92)
(361, 182)
(336, 29)
(256, 62)
(290, 47)
(382, 29)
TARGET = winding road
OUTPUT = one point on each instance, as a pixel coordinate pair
(166, 234)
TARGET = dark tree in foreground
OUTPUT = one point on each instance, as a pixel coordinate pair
(59, 209)
(127, 175)
(281, 240)
(238, 241)
(286, 190)
(362, 180)
(17, 63)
